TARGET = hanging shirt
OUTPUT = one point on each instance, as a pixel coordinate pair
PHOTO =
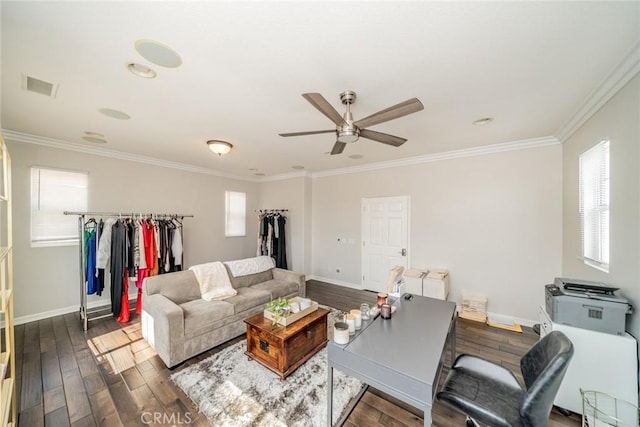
(104, 247)
(90, 265)
(176, 246)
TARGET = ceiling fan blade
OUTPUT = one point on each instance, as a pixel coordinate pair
(311, 132)
(385, 138)
(324, 107)
(407, 107)
(338, 147)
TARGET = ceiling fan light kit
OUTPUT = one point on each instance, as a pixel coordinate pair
(348, 131)
(219, 147)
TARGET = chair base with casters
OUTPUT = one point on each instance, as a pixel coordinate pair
(490, 394)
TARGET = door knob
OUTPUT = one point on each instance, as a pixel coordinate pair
(403, 252)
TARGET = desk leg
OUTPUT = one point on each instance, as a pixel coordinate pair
(452, 339)
(427, 416)
(329, 394)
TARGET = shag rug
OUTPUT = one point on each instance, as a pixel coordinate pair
(230, 390)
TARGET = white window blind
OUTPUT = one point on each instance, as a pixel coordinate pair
(594, 205)
(53, 192)
(235, 214)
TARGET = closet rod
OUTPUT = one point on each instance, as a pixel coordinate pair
(270, 210)
(126, 214)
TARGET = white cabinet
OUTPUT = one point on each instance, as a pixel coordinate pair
(602, 362)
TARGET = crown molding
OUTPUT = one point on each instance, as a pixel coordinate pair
(447, 155)
(613, 82)
(80, 148)
(284, 176)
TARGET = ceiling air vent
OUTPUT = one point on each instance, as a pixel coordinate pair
(39, 86)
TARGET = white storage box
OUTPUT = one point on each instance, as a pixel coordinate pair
(436, 284)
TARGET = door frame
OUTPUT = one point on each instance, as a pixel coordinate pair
(407, 200)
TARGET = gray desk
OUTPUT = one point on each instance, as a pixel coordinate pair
(401, 356)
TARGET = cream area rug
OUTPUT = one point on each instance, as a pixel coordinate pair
(230, 390)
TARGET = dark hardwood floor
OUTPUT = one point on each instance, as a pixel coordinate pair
(111, 377)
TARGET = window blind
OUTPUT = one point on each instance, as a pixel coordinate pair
(594, 205)
(235, 214)
(53, 192)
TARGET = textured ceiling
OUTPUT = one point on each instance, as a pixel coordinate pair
(529, 65)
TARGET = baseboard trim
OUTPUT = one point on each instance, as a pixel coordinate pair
(334, 282)
(65, 310)
(520, 320)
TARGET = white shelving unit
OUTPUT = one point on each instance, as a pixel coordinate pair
(8, 416)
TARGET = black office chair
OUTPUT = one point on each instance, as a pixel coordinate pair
(490, 394)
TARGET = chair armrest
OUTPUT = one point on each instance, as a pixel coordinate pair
(165, 328)
(292, 276)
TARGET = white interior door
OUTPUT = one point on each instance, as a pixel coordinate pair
(385, 239)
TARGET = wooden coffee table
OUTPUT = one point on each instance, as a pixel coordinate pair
(283, 349)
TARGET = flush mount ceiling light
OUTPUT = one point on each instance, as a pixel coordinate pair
(158, 53)
(114, 114)
(141, 70)
(298, 167)
(483, 121)
(219, 147)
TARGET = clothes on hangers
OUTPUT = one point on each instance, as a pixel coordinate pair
(119, 252)
(129, 249)
(90, 232)
(271, 237)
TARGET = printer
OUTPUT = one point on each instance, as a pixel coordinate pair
(588, 305)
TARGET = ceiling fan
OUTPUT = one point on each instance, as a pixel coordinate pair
(349, 131)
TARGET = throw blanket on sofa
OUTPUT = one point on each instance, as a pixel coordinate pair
(213, 280)
(244, 267)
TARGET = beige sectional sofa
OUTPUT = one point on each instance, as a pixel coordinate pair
(179, 324)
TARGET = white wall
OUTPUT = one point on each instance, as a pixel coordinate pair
(495, 221)
(291, 194)
(618, 120)
(46, 279)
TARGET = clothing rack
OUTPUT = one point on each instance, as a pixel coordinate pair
(270, 210)
(85, 314)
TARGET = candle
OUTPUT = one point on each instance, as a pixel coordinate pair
(358, 315)
(351, 321)
(385, 311)
(364, 310)
(382, 299)
(341, 333)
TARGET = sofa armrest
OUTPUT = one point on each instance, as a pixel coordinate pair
(164, 328)
(292, 276)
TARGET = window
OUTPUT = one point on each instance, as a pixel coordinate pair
(235, 214)
(594, 205)
(53, 192)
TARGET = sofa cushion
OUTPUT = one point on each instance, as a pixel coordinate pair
(200, 315)
(248, 298)
(179, 287)
(249, 280)
(277, 288)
